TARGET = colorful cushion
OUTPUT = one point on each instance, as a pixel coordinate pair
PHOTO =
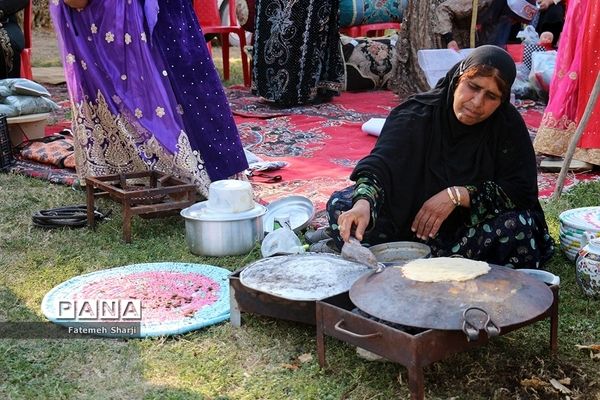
(370, 62)
(362, 12)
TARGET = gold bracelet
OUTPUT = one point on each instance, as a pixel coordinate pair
(457, 196)
(451, 195)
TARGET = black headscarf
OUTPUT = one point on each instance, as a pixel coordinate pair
(423, 148)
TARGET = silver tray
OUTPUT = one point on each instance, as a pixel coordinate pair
(299, 209)
(302, 277)
(400, 252)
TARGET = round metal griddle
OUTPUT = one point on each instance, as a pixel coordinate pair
(507, 296)
(302, 277)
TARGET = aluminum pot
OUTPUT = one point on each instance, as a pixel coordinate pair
(214, 233)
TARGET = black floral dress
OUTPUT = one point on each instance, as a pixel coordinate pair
(492, 230)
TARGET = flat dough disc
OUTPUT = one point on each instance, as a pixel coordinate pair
(444, 269)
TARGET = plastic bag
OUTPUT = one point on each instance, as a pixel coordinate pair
(281, 241)
(521, 86)
(542, 69)
(528, 35)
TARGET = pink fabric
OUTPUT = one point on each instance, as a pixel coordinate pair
(577, 66)
(590, 66)
(563, 88)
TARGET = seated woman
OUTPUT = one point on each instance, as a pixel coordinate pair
(12, 40)
(454, 168)
(144, 90)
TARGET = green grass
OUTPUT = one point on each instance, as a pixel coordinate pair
(260, 360)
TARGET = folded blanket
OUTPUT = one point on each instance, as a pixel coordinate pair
(54, 150)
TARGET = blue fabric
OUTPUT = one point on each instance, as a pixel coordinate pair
(363, 12)
(22, 86)
(25, 105)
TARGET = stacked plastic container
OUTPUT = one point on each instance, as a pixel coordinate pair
(573, 223)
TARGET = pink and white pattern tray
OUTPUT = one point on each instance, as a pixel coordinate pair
(174, 298)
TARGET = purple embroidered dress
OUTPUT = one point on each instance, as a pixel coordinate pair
(145, 93)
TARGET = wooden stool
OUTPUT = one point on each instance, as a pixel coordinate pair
(149, 194)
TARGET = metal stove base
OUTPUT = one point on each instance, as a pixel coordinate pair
(244, 299)
(334, 318)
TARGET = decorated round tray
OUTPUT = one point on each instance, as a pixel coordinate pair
(154, 298)
(584, 218)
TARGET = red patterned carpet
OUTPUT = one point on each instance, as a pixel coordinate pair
(321, 143)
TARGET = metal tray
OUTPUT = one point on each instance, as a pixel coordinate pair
(395, 253)
(302, 277)
(299, 209)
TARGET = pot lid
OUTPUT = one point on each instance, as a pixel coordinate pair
(593, 245)
(298, 209)
(508, 296)
(302, 277)
(201, 212)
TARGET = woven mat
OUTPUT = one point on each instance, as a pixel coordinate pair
(175, 298)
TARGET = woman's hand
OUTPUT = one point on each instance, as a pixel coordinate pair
(76, 3)
(358, 216)
(432, 214)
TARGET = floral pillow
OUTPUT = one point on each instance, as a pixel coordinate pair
(370, 62)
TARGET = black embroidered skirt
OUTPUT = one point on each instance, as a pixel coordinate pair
(297, 56)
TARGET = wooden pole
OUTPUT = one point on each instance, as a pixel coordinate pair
(475, 9)
(576, 136)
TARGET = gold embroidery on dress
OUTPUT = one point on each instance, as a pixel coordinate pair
(553, 138)
(108, 144)
(7, 50)
(191, 165)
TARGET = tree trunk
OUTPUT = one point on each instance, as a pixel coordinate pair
(416, 33)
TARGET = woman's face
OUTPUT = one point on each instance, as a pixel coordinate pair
(475, 99)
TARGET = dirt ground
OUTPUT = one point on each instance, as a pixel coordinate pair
(45, 48)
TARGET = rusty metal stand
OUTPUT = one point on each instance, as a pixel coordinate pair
(335, 318)
(149, 194)
(243, 299)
